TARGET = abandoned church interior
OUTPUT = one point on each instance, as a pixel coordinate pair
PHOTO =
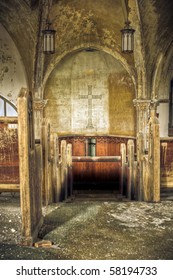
(86, 104)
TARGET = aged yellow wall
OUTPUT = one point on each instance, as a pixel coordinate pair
(89, 92)
(121, 109)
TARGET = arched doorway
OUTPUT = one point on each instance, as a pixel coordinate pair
(90, 104)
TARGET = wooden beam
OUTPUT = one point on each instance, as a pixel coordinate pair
(8, 119)
(97, 159)
(9, 187)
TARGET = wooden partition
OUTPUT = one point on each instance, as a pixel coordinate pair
(9, 158)
(30, 158)
(47, 190)
(102, 170)
(166, 161)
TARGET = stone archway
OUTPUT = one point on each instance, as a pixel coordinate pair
(90, 94)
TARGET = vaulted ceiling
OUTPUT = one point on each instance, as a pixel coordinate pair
(99, 22)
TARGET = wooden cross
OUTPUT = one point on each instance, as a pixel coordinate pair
(90, 97)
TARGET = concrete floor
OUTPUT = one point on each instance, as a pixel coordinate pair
(87, 228)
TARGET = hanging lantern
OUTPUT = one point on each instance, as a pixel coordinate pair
(48, 40)
(127, 36)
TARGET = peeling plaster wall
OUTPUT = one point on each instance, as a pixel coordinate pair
(68, 91)
(78, 23)
(121, 108)
(12, 73)
(21, 23)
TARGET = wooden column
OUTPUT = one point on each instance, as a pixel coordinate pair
(130, 183)
(123, 169)
(146, 192)
(30, 192)
(56, 171)
(47, 169)
(140, 171)
(70, 172)
(135, 180)
(64, 169)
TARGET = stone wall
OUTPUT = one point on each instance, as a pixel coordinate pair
(90, 92)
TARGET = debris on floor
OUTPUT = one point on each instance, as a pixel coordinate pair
(100, 230)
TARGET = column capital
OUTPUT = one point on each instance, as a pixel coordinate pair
(142, 104)
(39, 104)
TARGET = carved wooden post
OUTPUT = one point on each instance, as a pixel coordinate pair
(123, 171)
(164, 147)
(30, 192)
(146, 194)
(163, 156)
(56, 171)
(64, 169)
(130, 184)
(135, 180)
(69, 166)
(140, 159)
(47, 176)
(54, 163)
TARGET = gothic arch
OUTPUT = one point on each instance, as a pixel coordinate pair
(56, 60)
(83, 74)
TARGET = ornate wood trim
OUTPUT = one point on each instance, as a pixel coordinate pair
(99, 139)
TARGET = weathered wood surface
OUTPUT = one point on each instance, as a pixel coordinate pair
(104, 168)
(123, 179)
(9, 188)
(69, 170)
(47, 191)
(97, 159)
(130, 182)
(166, 162)
(64, 171)
(9, 157)
(30, 158)
(57, 188)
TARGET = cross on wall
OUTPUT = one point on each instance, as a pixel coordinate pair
(90, 97)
